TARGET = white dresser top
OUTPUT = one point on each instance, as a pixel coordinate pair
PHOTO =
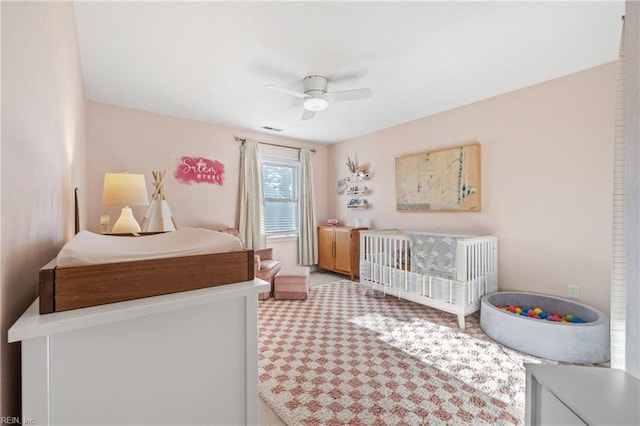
(31, 324)
(599, 396)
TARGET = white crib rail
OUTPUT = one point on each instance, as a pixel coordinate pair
(385, 265)
(477, 257)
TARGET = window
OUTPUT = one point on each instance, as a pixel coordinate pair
(281, 197)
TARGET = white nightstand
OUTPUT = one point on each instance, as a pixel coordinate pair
(577, 395)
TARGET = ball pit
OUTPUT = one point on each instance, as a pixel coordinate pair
(546, 326)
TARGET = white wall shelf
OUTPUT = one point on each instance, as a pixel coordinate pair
(357, 191)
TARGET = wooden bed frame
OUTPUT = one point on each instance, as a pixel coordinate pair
(63, 289)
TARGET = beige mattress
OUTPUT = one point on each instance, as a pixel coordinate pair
(88, 248)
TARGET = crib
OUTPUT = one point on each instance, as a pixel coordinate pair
(450, 272)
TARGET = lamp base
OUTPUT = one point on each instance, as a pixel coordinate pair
(126, 223)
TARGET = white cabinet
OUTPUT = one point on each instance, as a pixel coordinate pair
(577, 395)
(182, 358)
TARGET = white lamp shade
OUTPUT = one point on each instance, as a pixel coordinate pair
(124, 189)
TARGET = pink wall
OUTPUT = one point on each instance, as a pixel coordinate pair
(43, 138)
(140, 142)
(546, 155)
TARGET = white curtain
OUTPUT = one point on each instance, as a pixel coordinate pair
(619, 246)
(251, 227)
(308, 242)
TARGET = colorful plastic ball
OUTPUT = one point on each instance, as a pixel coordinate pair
(538, 313)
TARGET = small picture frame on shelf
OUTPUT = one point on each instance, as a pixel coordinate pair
(357, 203)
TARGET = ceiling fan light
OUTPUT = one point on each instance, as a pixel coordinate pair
(315, 104)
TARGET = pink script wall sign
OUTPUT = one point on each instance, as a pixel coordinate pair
(199, 170)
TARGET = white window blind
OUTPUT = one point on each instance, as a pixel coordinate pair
(281, 197)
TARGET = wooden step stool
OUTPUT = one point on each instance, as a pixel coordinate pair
(292, 282)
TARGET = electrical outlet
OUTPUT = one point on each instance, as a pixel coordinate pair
(574, 291)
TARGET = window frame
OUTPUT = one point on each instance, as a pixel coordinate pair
(295, 165)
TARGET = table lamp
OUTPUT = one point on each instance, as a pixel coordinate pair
(124, 189)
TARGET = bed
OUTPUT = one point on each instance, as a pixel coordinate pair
(450, 272)
(95, 269)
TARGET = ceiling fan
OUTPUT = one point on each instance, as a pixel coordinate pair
(317, 98)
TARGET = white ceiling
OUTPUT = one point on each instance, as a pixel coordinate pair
(210, 61)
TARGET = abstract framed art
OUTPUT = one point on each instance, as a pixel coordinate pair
(442, 180)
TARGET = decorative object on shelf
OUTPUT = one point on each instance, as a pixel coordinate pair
(342, 186)
(333, 222)
(442, 180)
(356, 170)
(124, 189)
(352, 165)
(158, 217)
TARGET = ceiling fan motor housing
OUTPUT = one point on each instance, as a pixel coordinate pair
(315, 83)
(315, 86)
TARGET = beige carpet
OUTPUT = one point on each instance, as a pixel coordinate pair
(266, 415)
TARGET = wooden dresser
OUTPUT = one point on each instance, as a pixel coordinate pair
(339, 249)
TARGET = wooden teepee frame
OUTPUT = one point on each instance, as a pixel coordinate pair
(158, 217)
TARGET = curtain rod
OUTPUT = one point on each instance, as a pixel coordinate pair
(274, 144)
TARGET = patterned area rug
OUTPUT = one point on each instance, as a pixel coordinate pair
(345, 357)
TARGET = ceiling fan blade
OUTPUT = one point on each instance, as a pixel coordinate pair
(307, 115)
(287, 91)
(346, 75)
(350, 95)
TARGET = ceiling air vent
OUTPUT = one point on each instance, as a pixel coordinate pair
(273, 129)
